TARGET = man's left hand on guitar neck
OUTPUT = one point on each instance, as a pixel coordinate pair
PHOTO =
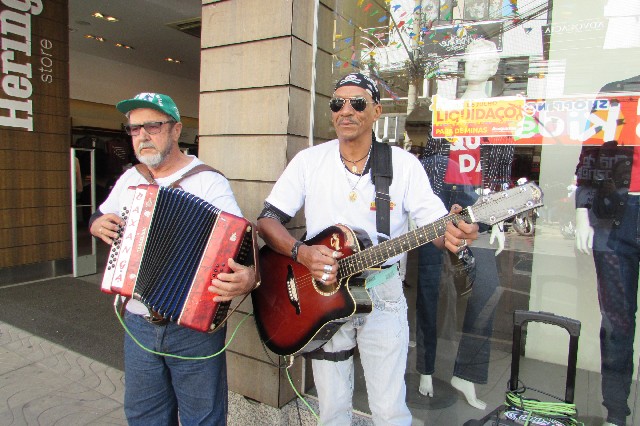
(458, 236)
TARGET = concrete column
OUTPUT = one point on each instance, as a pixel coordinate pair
(255, 99)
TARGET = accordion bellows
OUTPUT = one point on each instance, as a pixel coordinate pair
(172, 245)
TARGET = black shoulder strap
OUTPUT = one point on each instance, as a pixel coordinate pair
(146, 173)
(382, 175)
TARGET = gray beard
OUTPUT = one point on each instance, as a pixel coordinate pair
(151, 160)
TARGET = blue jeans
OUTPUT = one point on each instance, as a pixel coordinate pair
(158, 389)
(472, 361)
(616, 253)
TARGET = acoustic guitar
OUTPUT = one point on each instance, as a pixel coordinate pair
(296, 314)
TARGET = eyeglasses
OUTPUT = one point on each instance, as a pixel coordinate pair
(152, 127)
(358, 103)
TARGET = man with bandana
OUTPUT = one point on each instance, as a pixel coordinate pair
(333, 182)
(167, 390)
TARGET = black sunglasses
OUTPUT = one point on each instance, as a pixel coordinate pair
(358, 103)
(152, 127)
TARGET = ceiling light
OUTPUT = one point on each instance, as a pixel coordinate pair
(124, 46)
(96, 38)
(108, 18)
(175, 61)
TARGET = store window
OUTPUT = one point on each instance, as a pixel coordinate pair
(544, 92)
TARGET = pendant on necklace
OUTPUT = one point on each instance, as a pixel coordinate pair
(353, 196)
(354, 169)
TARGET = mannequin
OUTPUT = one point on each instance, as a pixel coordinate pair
(607, 198)
(441, 157)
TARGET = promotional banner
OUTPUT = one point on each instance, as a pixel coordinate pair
(561, 121)
(477, 117)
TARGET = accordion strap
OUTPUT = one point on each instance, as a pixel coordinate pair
(146, 173)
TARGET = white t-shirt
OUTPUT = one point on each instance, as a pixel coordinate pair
(210, 186)
(317, 179)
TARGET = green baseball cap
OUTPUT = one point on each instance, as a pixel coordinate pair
(157, 101)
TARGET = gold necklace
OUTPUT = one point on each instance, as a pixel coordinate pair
(353, 195)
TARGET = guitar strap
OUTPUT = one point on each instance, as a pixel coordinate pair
(381, 176)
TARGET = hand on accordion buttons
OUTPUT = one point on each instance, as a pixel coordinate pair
(107, 227)
(241, 280)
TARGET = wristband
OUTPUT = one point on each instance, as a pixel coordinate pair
(294, 250)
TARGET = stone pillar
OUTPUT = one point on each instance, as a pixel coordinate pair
(255, 98)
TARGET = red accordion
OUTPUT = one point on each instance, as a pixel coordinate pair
(172, 245)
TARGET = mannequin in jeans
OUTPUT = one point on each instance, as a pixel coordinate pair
(481, 63)
(607, 220)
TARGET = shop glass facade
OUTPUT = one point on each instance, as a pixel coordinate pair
(490, 94)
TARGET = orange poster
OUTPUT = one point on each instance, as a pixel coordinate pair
(577, 120)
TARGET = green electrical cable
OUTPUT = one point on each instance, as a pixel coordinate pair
(180, 356)
(560, 411)
(301, 398)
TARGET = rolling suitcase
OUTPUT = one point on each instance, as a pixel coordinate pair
(519, 410)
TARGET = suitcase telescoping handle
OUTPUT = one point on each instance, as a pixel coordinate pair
(572, 326)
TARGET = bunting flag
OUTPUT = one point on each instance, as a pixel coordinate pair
(386, 87)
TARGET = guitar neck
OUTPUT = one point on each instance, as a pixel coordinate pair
(372, 256)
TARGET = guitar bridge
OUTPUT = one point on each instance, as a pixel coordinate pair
(292, 290)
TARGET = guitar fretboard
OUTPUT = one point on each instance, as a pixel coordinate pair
(372, 256)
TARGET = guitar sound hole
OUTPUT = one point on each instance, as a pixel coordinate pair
(324, 289)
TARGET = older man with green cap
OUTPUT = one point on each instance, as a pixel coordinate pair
(168, 390)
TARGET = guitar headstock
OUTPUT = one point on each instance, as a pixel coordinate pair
(498, 206)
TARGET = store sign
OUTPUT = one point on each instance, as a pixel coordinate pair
(16, 103)
(564, 121)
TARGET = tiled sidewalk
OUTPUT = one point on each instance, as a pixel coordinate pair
(42, 383)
